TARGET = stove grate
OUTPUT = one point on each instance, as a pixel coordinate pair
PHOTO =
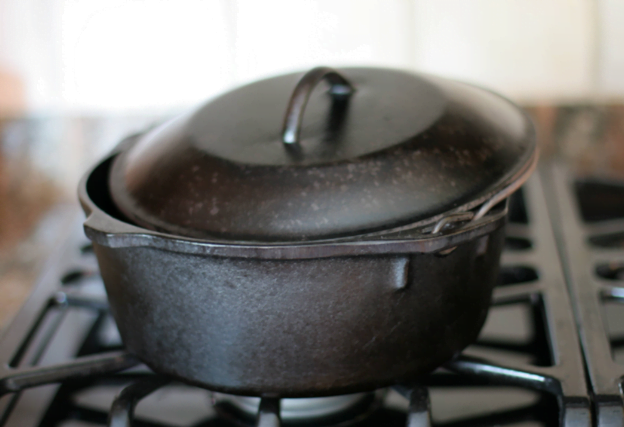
(591, 236)
(56, 347)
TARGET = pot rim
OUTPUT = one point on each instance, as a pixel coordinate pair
(106, 230)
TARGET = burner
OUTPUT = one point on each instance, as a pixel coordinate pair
(318, 411)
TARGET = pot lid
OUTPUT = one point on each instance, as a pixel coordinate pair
(382, 149)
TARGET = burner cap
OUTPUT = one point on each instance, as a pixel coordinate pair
(321, 411)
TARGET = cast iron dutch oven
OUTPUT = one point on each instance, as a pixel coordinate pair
(349, 243)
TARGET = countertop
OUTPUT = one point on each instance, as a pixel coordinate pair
(43, 158)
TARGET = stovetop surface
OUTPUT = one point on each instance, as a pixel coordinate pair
(530, 366)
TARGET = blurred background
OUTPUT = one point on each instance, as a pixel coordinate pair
(118, 56)
(77, 75)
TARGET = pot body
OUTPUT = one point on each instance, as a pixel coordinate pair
(299, 327)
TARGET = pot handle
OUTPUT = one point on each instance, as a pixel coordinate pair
(516, 182)
(340, 88)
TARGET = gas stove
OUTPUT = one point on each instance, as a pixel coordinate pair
(547, 356)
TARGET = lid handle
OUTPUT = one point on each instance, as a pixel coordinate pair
(339, 89)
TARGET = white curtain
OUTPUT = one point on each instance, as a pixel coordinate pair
(158, 55)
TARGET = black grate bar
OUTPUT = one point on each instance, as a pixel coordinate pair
(419, 414)
(122, 409)
(269, 413)
(20, 379)
(524, 377)
(67, 299)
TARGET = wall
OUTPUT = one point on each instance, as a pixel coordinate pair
(119, 55)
